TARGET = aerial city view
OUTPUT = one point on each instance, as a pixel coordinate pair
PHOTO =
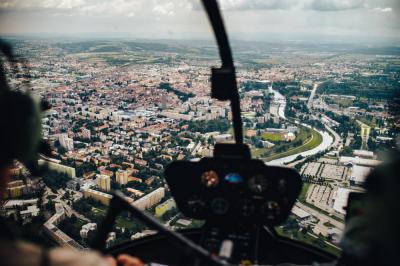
(122, 109)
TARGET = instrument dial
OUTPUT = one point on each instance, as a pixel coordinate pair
(210, 178)
(258, 184)
(220, 206)
(246, 207)
(196, 204)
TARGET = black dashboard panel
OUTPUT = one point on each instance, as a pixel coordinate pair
(272, 251)
(222, 190)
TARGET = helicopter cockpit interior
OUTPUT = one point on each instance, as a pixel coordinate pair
(241, 199)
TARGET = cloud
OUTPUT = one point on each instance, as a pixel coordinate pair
(335, 5)
(167, 9)
(104, 8)
(246, 5)
(108, 8)
(256, 4)
(45, 4)
(383, 9)
(317, 5)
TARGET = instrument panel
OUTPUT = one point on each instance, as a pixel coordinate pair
(226, 190)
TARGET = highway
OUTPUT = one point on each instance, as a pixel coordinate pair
(337, 139)
(310, 100)
(323, 219)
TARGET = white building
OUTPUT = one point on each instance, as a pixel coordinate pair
(57, 167)
(66, 142)
(359, 161)
(223, 138)
(86, 133)
(190, 146)
(150, 199)
(176, 115)
(301, 214)
(359, 174)
(364, 154)
(102, 197)
(87, 228)
(340, 200)
(121, 176)
(103, 182)
(50, 227)
(111, 239)
(31, 211)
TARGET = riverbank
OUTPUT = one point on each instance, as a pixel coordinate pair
(315, 146)
(314, 141)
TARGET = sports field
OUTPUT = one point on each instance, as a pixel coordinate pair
(313, 142)
(273, 137)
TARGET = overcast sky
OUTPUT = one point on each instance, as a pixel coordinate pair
(245, 19)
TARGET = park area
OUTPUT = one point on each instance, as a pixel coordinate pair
(311, 143)
(122, 221)
(273, 137)
(306, 139)
(96, 212)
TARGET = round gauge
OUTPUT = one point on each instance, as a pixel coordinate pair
(282, 185)
(246, 207)
(273, 210)
(258, 184)
(196, 204)
(220, 206)
(210, 178)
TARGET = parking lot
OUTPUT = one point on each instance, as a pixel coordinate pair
(326, 168)
(335, 172)
(321, 197)
(311, 169)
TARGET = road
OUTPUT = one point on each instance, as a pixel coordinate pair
(321, 216)
(312, 94)
(68, 209)
(337, 144)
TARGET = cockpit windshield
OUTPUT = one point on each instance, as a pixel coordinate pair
(129, 87)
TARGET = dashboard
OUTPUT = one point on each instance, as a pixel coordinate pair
(245, 191)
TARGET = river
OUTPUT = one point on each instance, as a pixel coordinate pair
(327, 139)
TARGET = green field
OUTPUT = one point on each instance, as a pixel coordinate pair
(306, 139)
(120, 221)
(274, 137)
(313, 142)
(369, 122)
